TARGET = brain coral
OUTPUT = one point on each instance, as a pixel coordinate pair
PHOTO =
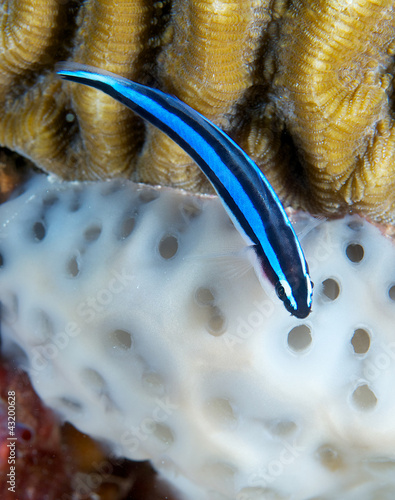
(305, 87)
(138, 322)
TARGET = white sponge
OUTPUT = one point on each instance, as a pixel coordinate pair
(142, 325)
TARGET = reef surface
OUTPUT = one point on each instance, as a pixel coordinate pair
(304, 87)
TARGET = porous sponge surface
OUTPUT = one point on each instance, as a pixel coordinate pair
(141, 324)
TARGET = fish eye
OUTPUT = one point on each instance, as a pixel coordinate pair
(280, 291)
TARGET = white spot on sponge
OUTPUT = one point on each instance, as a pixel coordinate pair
(138, 328)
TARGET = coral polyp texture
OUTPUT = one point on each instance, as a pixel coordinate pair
(335, 75)
(135, 315)
(304, 87)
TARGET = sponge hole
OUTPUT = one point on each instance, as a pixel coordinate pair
(216, 324)
(168, 246)
(189, 210)
(121, 340)
(50, 200)
(283, 428)
(360, 341)
(75, 202)
(364, 398)
(204, 296)
(330, 289)
(112, 187)
(147, 195)
(355, 225)
(126, 227)
(93, 380)
(330, 457)
(1, 260)
(92, 232)
(163, 434)
(72, 267)
(391, 292)
(216, 321)
(355, 252)
(299, 338)
(38, 231)
(220, 412)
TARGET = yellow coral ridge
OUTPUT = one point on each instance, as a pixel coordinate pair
(112, 37)
(305, 87)
(35, 125)
(32, 122)
(206, 64)
(28, 28)
(333, 81)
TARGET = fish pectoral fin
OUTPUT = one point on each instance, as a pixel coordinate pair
(234, 264)
(304, 225)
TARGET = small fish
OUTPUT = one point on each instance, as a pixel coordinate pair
(244, 191)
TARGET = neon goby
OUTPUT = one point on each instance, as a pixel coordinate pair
(244, 191)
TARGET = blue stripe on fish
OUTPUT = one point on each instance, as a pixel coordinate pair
(245, 192)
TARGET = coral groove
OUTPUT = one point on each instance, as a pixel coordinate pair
(110, 133)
